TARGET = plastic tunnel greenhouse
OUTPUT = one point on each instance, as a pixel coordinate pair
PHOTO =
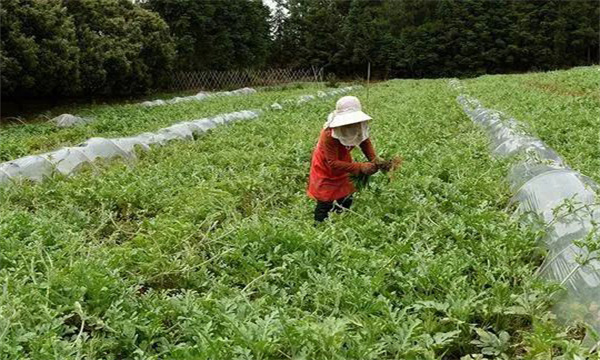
(67, 161)
(567, 203)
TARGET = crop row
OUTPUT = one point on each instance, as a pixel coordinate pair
(562, 108)
(565, 201)
(68, 120)
(69, 160)
(116, 120)
(198, 97)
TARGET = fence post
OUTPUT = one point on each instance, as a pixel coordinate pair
(315, 73)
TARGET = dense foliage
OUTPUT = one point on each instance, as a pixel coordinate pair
(38, 49)
(216, 35)
(124, 48)
(206, 249)
(82, 47)
(431, 38)
(74, 47)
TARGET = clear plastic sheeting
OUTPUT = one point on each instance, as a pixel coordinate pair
(547, 192)
(455, 84)
(201, 95)
(574, 267)
(302, 99)
(157, 102)
(203, 125)
(565, 201)
(68, 120)
(4, 176)
(198, 97)
(524, 171)
(128, 144)
(320, 94)
(101, 148)
(177, 131)
(305, 98)
(34, 167)
(69, 160)
(242, 91)
(561, 264)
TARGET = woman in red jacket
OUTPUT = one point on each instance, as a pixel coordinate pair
(331, 166)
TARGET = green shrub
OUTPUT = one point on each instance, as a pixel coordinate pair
(82, 47)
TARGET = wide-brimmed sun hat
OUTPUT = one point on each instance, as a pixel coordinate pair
(347, 111)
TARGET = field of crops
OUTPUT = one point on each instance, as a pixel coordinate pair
(206, 249)
(560, 107)
(122, 120)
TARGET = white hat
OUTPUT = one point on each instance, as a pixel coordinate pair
(347, 111)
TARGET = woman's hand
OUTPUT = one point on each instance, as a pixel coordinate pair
(388, 165)
(368, 168)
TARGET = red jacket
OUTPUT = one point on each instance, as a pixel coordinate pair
(331, 167)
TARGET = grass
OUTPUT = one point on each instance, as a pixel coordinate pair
(128, 119)
(561, 107)
(207, 249)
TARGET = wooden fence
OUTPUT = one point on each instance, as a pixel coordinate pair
(219, 80)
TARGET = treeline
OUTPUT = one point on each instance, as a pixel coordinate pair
(217, 34)
(116, 47)
(434, 38)
(119, 47)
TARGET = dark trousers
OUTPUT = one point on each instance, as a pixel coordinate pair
(325, 207)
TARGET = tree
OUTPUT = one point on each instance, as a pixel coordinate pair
(81, 47)
(217, 35)
(283, 37)
(124, 48)
(38, 49)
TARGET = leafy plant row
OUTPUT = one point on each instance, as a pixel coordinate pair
(36, 135)
(563, 201)
(67, 161)
(562, 108)
(198, 97)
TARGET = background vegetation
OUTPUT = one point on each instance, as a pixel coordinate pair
(433, 38)
(75, 47)
(116, 47)
(39, 137)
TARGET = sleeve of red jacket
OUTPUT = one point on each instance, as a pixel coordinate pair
(367, 149)
(331, 156)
